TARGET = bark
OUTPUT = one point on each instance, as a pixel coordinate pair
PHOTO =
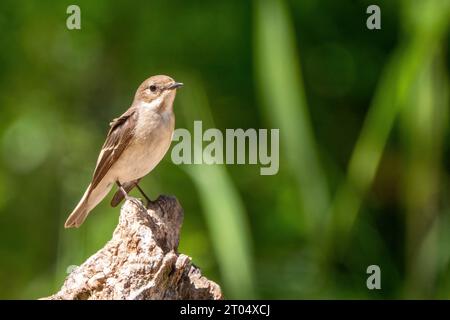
(141, 260)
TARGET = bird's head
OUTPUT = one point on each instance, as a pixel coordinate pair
(157, 92)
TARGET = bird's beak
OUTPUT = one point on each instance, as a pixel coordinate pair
(174, 85)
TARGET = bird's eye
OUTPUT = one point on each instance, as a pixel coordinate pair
(152, 88)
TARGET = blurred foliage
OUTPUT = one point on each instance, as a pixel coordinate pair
(364, 139)
(282, 96)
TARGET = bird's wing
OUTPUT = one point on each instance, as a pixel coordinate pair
(118, 138)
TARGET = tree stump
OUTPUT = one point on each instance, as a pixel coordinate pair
(141, 260)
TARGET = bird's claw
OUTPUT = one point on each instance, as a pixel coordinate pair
(136, 202)
(154, 204)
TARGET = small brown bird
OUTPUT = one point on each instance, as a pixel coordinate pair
(136, 142)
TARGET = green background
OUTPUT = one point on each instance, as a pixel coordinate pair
(364, 140)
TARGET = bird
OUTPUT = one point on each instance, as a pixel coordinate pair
(136, 142)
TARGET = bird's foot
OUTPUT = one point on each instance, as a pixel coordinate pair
(153, 204)
(136, 202)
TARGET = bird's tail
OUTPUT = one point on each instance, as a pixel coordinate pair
(80, 212)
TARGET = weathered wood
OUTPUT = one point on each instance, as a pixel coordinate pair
(141, 260)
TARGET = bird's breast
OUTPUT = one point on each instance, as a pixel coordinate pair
(152, 138)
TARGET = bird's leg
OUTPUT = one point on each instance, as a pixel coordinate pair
(149, 202)
(143, 194)
(127, 197)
